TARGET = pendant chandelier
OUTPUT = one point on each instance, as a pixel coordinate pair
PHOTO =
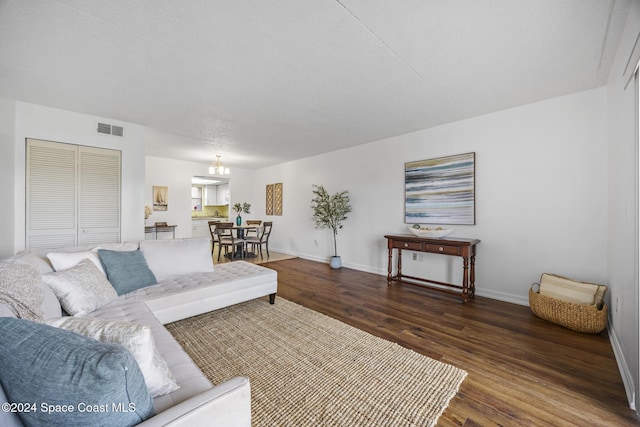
(217, 168)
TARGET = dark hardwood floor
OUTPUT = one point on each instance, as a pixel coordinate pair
(521, 370)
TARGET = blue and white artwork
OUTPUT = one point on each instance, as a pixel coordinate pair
(441, 191)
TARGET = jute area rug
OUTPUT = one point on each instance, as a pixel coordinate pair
(307, 369)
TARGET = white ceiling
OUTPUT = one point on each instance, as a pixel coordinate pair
(263, 82)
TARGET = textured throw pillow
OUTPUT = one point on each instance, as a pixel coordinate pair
(567, 290)
(65, 260)
(21, 289)
(81, 289)
(135, 338)
(126, 270)
(48, 366)
(167, 258)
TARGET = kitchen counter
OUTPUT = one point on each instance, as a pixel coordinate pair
(200, 225)
(209, 218)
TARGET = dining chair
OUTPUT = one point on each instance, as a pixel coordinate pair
(262, 239)
(226, 240)
(214, 235)
(252, 223)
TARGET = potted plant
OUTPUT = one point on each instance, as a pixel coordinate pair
(147, 213)
(240, 208)
(329, 212)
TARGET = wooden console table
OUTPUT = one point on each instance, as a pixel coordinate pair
(454, 246)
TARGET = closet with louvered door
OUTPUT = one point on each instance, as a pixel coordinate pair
(72, 195)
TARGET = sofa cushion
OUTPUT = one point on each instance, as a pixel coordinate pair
(188, 295)
(64, 260)
(176, 257)
(134, 337)
(48, 366)
(126, 270)
(80, 289)
(21, 289)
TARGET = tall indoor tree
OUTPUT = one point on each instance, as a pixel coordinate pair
(329, 211)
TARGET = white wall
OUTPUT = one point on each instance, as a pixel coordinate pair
(623, 214)
(40, 122)
(541, 201)
(7, 174)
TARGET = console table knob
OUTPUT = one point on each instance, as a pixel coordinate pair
(441, 249)
(406, 245)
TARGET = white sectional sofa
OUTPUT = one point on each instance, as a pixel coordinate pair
(188, 285)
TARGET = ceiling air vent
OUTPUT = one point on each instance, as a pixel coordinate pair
(110, 130)
(104, 128)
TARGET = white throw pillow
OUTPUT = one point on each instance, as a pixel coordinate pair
(167, 258)
(81, 289)
(65, 260)
(132, 336)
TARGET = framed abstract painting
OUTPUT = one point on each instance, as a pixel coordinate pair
(441, 190)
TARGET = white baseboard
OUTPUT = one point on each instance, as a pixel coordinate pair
(503, 296)
(500, 296)
(627, 378)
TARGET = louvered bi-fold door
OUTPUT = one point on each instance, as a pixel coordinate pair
(99, 196)
(73, 195)
(51, 217)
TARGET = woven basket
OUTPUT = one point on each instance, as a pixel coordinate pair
(578, 317)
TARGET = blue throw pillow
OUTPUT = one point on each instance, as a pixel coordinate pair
(66, 379)
(126, 270)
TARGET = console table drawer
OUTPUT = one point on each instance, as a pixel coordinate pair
(442, 249)
(412, 246)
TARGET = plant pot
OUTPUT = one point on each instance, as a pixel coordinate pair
(336, 262)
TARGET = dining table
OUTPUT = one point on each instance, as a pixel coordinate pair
(240, 234)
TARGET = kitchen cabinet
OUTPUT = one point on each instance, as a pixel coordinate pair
(223, 194)
(211, 195)
(200, 228)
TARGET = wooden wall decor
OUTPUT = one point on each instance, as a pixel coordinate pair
(269, 203)
(274, 199)
(277, 199)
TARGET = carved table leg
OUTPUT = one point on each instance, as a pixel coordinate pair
(399, 275)
(465, 278)
(472, 278)
(390, 267)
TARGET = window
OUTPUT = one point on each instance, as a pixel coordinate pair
(196, 197)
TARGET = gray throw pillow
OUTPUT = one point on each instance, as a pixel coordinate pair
(126, 270)
(99, 384)
(21, 289)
